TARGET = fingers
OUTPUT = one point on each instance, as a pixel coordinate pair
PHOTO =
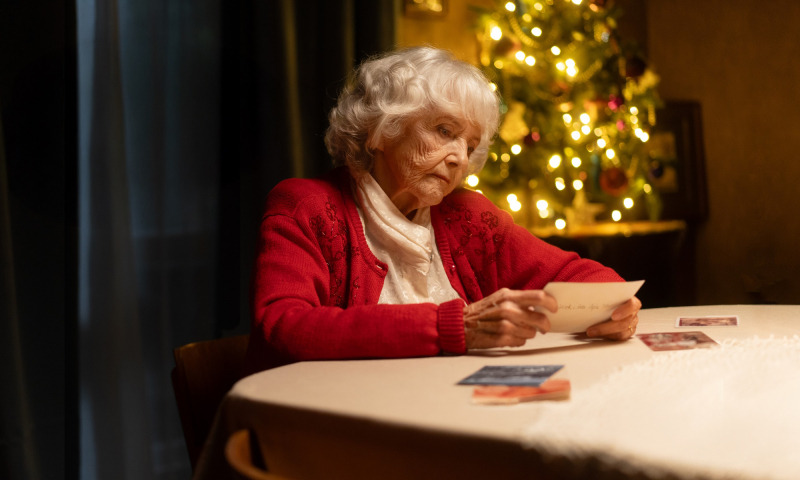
(523, 298)
(627, 309)
(522, 317)
(488, 340)
(615, 329)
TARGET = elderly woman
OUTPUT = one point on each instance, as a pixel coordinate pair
(385, 256)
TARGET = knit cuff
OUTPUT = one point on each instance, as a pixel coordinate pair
(451, 327)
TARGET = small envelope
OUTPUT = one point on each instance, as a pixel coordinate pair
(581, 305)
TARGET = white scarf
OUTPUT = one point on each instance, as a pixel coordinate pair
(416, 273)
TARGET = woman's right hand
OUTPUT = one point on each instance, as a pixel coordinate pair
(506, 318)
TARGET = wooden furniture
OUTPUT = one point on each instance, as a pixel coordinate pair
(407, 418)
(238, 452)
(203, 374)
(662, 253)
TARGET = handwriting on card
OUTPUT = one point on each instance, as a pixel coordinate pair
(581, 306)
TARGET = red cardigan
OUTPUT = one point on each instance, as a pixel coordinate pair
(316, 283)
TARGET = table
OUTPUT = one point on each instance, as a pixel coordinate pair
(406, 418)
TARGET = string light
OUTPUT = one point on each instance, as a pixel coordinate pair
(511, 198)
(493, 86)
(644, 136)
(577, 184)
(616, 216)
(544, 213)
(601, 143)
(577, 2)
(567, 118)
(560, 66)
(634, 111)
(576, 135)
(536, 31)
(505, 157)
(576, 162)
(572, 71)
(530, 60)
(555, 161)
(538, 6)
(647, 189)
(472, 181)
(498, 64)
(610, 153)
(541, 205)
(628, 202)
(570, 62)
(560, 223)
(585, 118)
(527, 17)
(515, 149)
(511, 7)
(634, 119)
(555, 50)
(516, 206)
(494, 156)
(520, 55)
(496, 33)
(479, 191)
(598, 131)
(560, 183)
(586, 129)
(638, 132)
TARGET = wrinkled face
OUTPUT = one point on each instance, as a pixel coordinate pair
(428, 162)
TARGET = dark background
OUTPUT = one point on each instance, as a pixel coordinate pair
(281, 64)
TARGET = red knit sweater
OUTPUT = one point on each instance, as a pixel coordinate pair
(316, 282)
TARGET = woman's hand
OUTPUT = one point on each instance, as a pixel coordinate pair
(506, 318)
(623, 322)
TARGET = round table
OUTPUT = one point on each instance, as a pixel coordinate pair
(407, 418)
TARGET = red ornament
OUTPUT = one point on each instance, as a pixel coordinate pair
(614, 102)
(529, 140)
(613, 181)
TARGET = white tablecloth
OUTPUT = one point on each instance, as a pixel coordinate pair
(407, 418)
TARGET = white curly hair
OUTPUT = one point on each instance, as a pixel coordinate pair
(388, 93)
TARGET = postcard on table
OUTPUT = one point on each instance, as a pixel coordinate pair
(512, 375)
(708, 321)
(581, 305)
(660, 342)
(552, 389)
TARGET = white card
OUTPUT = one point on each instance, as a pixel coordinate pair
(581, 305)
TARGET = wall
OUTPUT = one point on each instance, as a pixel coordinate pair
(738, 59)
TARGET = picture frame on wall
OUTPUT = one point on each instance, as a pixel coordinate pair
(676, 157)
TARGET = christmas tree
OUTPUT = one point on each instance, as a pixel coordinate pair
(578, 106)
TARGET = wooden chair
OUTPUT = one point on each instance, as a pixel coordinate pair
(203, 374)
(239, 455)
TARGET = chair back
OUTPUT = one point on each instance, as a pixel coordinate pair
(203, 374)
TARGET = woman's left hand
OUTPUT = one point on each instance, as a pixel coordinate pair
(623, 322)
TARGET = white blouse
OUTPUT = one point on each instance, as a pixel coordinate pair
(416, 273)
